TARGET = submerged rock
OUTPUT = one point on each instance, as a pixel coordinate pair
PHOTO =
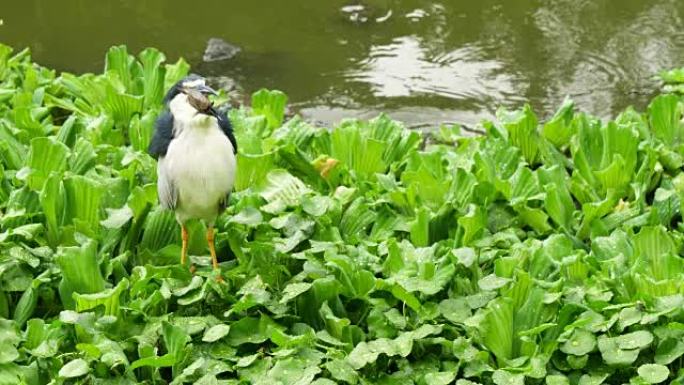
(219, 49)
(223, 82)
(230, 86)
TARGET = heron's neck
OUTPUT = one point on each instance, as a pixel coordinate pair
(181, 110)
(186, 118)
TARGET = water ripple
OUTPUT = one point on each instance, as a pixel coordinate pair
(403, 69)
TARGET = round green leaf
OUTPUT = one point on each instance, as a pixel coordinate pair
(582, 342)
(317, 205)
(341, 370)
(293, 290)
(577, 362)
(653, 373)
(75, 368)
(635, 340)
(462, 381)
(455, 309)
(557, 379)
(593, 378)
(504, 377)
(613, 355)
(248, 216)
(439, 378)
(246, 361)
(669, 350)
(492, 282)
(629, 316)
(216, 332)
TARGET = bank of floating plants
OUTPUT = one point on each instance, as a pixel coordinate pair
(366, 253)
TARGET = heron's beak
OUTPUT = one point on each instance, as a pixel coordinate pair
(207, 90)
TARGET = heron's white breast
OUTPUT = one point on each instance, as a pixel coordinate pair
(201, 164)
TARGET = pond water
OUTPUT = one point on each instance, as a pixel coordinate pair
(423, 62)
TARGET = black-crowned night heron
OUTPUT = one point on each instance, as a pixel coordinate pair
(195, 148)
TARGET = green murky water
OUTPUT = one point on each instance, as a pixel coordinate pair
(424, 62)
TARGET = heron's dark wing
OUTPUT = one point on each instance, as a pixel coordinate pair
(166, 190)
(163, 135)
(225, 125)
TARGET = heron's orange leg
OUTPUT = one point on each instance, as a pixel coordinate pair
(184, 247)
(212, 251)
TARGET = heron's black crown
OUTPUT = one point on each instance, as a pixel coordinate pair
(198, 82)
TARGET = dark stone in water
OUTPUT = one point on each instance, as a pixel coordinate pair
(219, 49)
(232, 88)
(225, 83)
